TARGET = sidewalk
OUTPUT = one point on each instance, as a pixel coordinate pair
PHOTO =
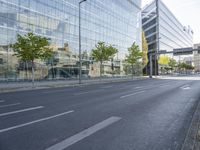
(23, 86)
(192, 140)
(194, 77)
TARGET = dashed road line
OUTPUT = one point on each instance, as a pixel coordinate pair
(106, 87)
(138, 87)
(86, 92)
(55, 91)
(22, 110)
(83, 134)
(139, 92)
(164, 85)
(35, 121)
(9, 105)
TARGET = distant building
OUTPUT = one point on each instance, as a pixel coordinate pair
(188, 60)
(196, 58)
(163, 31)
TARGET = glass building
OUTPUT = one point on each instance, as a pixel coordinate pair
(114, 22)
(163, 31)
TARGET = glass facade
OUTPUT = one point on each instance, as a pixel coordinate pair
(114, 22)
(162, 30)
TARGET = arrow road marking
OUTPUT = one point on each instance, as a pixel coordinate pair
(185, 87)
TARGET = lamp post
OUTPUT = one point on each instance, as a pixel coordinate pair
(80, 59)
(158, 36)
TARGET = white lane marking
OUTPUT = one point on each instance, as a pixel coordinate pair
(83, 134)
(35, 121)
(55, 91)
(22, 110)
(138, 87)
(2, 106)
(1, 101)
(164, 85)
(106, 87)
(132, 94)
(81, 93)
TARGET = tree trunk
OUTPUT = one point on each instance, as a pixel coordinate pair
(33, 74)
(101, 70)
(26, 69)
(146, 69)
(132, 70)
(52, 70)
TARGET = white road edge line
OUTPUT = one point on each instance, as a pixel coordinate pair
(2, 106)
(132, 94)
(1, 101)
(22, 110)
(35, 121)
(83, 134)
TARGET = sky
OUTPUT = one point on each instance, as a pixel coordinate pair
(187, 12)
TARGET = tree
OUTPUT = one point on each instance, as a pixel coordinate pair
(103, 52)
(172, 63)
(30, 47)
(144, 50)
(185, 66)
(134, 54)
(164, 60)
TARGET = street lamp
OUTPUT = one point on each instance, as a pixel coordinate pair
(80, 59)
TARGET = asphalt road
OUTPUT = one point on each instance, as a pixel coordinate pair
(137, 115)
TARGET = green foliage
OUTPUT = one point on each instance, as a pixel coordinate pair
(144, 50)
(103, 52)
(134, 54)
(172, 63)
(136, 69)
(185, 66)
(30, 47)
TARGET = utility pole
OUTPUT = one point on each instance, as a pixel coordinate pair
(157, 36)
(150, 57)
(80, 57)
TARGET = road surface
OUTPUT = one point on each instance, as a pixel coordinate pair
(149, 114)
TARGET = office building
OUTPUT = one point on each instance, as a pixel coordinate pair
(163, 31)
(114, 22)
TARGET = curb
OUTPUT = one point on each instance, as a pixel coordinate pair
(29, 88)
(192, 139)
